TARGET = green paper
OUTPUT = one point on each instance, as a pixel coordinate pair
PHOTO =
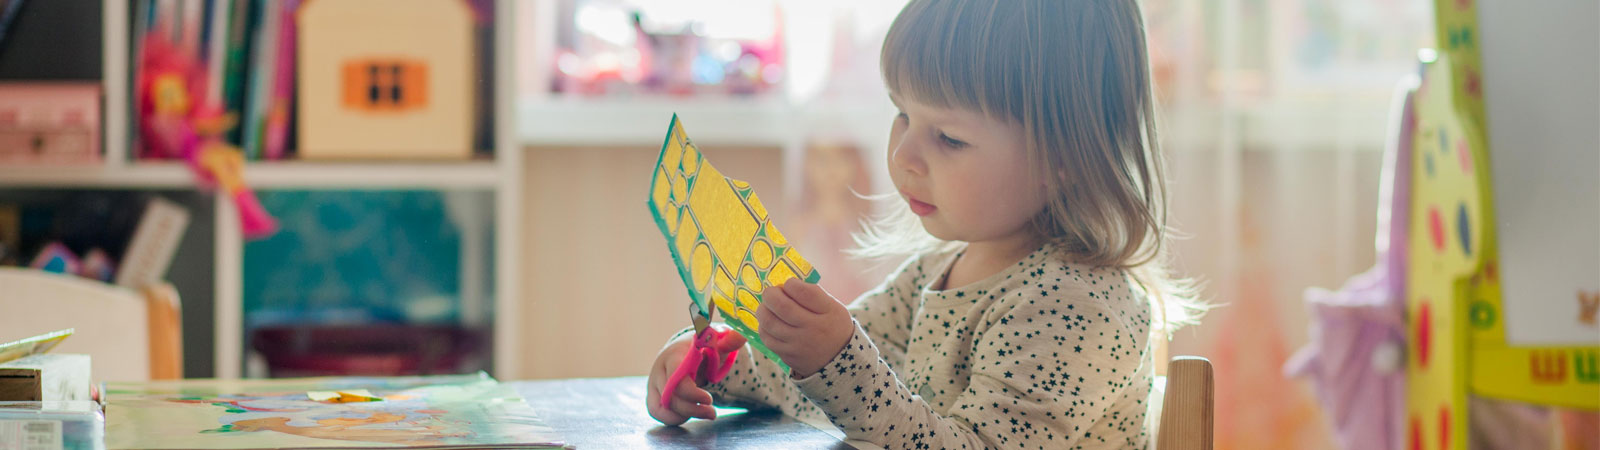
(719, 234)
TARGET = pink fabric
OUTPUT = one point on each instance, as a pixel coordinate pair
(1353, 327)
(1356, 356)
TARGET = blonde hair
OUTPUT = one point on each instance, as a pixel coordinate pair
(1075, 76)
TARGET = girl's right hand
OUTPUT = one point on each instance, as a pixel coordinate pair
(688, 400)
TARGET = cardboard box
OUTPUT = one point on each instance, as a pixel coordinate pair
(49, 123)
(45, 377)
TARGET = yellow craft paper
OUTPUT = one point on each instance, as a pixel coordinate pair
(33, 345)
(719, 234)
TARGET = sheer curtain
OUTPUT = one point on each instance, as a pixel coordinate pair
(1274, 117)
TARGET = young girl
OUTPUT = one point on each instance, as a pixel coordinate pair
(1025, 154)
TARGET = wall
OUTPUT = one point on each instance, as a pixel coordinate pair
(602, 292)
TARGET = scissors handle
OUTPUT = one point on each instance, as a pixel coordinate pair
(703, 363)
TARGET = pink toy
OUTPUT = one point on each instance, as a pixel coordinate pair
(56, 258)
(174, 125)
(97, 265)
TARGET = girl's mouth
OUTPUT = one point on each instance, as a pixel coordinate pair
(919, 207)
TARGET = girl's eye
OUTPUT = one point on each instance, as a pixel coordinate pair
(951, 142)
(900, 116)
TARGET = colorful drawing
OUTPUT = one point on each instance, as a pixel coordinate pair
(725, 245)
(415, 412)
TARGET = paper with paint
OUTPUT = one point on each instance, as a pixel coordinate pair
(724, 243)
(416, 412)
(33, 345)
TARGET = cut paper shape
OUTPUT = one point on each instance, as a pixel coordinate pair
(350, 396)
(33, 345)
(726, 248)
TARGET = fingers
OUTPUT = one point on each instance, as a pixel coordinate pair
(662, 372)
(773, 330)
(691, 409)
(778, 304)
(688, 401)
(653, 404)
(728, 341)
(687, 391)
(657, 377)
(785, 319)
(810, 296)
(798, 316)
(692, 401)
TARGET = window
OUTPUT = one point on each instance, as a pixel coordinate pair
(382, 85)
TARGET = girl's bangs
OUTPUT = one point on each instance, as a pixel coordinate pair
(956, 55)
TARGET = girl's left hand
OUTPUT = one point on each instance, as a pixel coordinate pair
(804, 325)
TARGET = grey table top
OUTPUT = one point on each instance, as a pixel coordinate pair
(605, 413)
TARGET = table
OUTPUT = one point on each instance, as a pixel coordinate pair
(606, 413)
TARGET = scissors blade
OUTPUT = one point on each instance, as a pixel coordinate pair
(699, 317)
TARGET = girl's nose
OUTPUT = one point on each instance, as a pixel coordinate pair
(906, 153)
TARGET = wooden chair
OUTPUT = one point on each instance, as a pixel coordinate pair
(1186, 410)
(128, 335)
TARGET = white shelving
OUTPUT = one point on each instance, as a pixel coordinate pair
(501, 177)
(588, 122)
(268, 175)
(508, 198)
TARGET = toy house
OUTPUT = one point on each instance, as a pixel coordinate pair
(385, 79)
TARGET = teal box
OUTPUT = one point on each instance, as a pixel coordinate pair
(67, 425)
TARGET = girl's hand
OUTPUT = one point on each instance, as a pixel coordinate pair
(804, 325)
(688, 400)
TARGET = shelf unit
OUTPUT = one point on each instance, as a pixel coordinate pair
(541, 120)
(268, 175)
(558, 121)
(118, 170)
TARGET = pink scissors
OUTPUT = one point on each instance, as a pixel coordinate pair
(709, 360)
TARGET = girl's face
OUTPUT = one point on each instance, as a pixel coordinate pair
(966, 175)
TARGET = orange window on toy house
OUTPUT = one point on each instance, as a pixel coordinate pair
(383, 85)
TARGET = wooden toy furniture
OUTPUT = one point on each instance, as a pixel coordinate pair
(130, 335)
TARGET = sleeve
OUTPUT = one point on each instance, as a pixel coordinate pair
(1041, 378)
(886, 313)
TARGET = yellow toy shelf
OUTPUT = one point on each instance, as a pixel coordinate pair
(1456, 331)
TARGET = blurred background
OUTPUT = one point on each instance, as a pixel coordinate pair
(506, 228)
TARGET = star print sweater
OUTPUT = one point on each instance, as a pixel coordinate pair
(1045, 354)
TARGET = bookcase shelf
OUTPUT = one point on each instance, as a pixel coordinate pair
(479, 175)
(499, 177)
(588, 122)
